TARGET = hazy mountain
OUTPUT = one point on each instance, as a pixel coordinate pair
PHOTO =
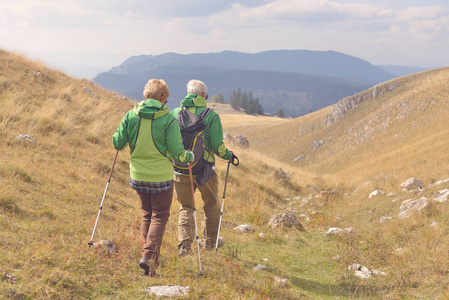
(299, 81)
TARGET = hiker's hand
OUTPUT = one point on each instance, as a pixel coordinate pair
(234, 159)
(193, 157)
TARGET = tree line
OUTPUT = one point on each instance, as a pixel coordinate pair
(242, 101)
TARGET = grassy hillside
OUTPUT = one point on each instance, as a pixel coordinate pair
(50, 194)
(400, 133)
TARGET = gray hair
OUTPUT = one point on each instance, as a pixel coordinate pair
(196, 87)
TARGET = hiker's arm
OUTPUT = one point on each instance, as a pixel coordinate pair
(173, 140)
(120, 137)
(216, 138)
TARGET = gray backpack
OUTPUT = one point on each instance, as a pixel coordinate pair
(192, 132)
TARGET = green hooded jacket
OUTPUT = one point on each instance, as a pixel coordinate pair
(154, 139)
(213, 138)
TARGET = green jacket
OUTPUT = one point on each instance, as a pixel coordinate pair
(154, 139)
(213, 137)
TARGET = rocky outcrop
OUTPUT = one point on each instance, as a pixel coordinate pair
(347, 104)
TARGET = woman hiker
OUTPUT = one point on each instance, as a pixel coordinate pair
(154, 139)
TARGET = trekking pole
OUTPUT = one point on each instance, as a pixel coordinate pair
(194, 215)
(222, 202)
(104, 195)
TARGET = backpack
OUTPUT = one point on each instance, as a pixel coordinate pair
(192, 132)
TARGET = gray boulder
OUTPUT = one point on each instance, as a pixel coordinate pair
(26, 137)
(167, 291)
(412, 183)
(241, 140)
(285, 219)
(363, 272)
(408, 206)
(441, 196)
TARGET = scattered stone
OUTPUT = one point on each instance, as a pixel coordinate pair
(107, 244)
(383, 219)
(241, 141)
(441, 196)
(8, 277)
(261, 235)
(440, 182)
(227, 224)
(336, 257)
(244, 228)
(298, 157)
(260, 267)
(399, 251)
(167, 291)
(228, 139)
(304, 201)
(434, 224)
(391, 194)
(364, 272)
(376, 193)
(285, 219)
(278, 281)
(26, 137)
(39, 75)
(279, 173)
(392, 87)
(317, 144)
(89, 91)
(411, 205)
(412, 183)
(376, 91)
(336, 230)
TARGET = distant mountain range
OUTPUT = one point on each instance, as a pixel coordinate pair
(299, 81)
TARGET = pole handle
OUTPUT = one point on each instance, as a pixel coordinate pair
(234, 160)
(112, 167)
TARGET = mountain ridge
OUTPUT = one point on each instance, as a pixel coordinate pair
(265, 72)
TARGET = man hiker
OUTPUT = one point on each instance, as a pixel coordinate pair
(195, 102)
(154, 139)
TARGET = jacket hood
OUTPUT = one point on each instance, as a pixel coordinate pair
(150, 109)
(192, 100)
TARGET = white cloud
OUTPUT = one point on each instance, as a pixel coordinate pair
(369, 29)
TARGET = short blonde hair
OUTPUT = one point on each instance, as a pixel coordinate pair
(196, 87)
(155, 88)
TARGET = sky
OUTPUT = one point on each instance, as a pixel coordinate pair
(85, 37)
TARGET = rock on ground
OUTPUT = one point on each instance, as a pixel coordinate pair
(168, 290)
(244, 228)
(441, 196)
(411, 205)
(285, 219)
(412, 183)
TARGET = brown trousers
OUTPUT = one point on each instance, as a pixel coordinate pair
(186, 223)
(156, 211)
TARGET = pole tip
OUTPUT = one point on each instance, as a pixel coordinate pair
(201, 274)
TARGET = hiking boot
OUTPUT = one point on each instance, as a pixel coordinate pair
(184, 250)
(148, 265)
(209, 245)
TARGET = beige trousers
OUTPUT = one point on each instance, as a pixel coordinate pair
(186, 223)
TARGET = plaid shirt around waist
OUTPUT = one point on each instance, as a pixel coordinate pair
(150, 187)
